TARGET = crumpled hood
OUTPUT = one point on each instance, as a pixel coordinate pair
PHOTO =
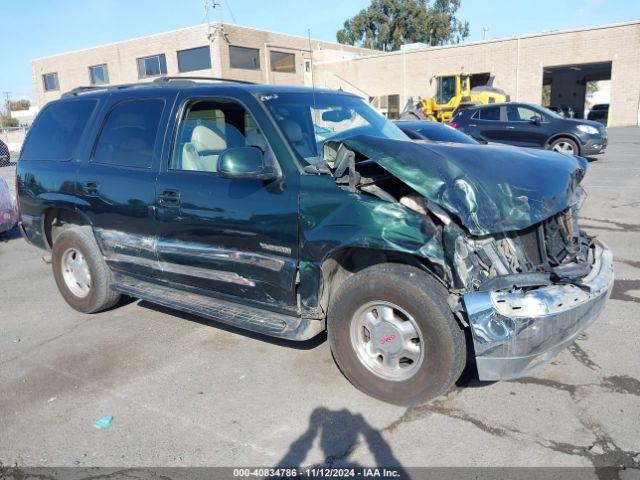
(490, 188)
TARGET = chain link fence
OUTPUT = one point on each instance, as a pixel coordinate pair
(13, 138)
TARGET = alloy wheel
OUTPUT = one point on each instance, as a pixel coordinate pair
(387, 340)
(564, 147)
(75, 271)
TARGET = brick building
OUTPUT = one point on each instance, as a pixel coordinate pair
(559, 68)
(216, 50)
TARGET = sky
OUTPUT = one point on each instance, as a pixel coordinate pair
(38, 28)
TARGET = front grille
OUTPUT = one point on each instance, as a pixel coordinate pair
(531, 243)
(561, 234)
(549, 243)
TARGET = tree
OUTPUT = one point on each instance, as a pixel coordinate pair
(388, 24)
(7, 121)
(15, 105)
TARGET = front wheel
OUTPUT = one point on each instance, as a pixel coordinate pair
(82, 276)
(393, 335)
(565, 145)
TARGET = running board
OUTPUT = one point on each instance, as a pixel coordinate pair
(241, 316)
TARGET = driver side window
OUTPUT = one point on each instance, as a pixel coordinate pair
(208, 128)
(521, 114)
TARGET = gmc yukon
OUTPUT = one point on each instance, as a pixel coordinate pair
(291, 211)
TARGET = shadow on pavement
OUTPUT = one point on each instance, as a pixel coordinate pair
(339, 432)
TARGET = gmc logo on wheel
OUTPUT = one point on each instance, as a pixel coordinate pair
(387, 339)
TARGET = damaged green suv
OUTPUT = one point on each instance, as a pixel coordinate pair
(288, 211)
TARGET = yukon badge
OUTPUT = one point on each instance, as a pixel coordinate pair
(275, 248)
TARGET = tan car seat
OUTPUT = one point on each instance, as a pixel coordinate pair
(196, 155)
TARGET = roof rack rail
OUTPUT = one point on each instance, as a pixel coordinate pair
(102, 88)
(78, 90)
(166, 79)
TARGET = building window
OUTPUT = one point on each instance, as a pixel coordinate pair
(152, 66)
(98, 74)
(282, 62)
(50, 81)
(242, 57)
(194, 59)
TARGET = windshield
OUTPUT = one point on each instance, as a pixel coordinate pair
(309, 120)
(550, 113)
(446, 89)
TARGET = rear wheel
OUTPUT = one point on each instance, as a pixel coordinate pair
(82, 276)
(565, 145)
(393, 335)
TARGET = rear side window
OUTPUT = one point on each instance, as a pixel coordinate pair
(57, 131)
(490, 113)
(129, 134)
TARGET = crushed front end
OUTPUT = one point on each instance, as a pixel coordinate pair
(522, 275)
(531, 293)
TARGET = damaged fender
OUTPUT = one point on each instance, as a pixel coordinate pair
(331, 219)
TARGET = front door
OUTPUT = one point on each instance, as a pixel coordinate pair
(522, 130)
(222, 236)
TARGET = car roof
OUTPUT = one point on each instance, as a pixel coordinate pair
(503, 104)
(202, 85)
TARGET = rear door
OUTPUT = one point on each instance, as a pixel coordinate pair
(521, 128)
(491, 124)
(222, 236)
(117, 181)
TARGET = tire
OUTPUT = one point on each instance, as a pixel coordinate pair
(565, 145)
(93, 293)
(422, 302)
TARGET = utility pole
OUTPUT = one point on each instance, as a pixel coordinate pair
(218, 30)
(485, 33)
(7, 106)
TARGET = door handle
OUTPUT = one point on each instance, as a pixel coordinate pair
(473, 125)
(91, 187)
(169, 198)
(510, 128)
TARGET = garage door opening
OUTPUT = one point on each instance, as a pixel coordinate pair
(578, 90)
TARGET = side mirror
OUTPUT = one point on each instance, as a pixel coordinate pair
(245, 162)
(536, 120)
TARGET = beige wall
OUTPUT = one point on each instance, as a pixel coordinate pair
(267, 41)
(517, 65)
(73, 67)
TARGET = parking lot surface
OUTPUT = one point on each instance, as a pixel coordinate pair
(186, 391)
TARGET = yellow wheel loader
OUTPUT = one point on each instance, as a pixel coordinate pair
(453, 91)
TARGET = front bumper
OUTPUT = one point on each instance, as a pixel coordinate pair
(594, 146)
(516, 333)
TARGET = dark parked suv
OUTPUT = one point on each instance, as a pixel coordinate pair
(527, 125)
(289, 211)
